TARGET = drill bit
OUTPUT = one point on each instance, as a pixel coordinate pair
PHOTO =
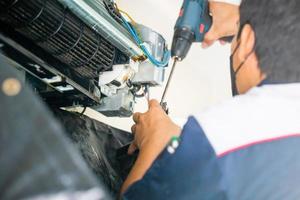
(162, 102)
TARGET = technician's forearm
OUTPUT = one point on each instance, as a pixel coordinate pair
(148, 153)
(153, 131)
(143, 163)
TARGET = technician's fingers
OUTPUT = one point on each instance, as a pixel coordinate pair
(222, 42)
(132, 148)
(209, 38)
(133, 129)
(136, 117)
(153, 103)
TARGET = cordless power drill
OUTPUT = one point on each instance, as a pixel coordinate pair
(193, 23)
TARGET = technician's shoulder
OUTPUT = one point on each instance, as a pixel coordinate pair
(257, 133)
(264, 113)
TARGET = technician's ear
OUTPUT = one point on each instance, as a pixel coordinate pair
(247, 42)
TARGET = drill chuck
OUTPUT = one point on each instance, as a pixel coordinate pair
(193, 22)
(182, 42)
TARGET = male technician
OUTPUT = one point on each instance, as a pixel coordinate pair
(245, 148)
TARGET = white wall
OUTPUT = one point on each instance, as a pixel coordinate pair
(201, 80)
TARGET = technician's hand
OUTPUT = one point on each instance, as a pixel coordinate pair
(153, 129)
(225, 22)
(152, 132)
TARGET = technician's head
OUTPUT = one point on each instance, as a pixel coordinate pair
(267, 46)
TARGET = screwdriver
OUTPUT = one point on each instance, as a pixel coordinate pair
(162, 102)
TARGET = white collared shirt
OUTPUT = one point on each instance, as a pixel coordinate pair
(263, 113)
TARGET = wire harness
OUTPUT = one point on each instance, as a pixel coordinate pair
(134, 34)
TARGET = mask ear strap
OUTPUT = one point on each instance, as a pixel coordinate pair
(236, 48)
(242, 63)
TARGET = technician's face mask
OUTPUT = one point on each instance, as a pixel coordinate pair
(233, 73)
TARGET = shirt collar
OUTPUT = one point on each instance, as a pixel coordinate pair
(277, 90)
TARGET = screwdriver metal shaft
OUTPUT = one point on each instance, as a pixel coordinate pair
(168, 82)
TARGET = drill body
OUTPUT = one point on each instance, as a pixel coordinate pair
(192, 24)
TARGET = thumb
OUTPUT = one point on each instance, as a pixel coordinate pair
(132, 148)
(153, 103)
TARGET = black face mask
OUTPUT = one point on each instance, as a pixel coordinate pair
(234, 73)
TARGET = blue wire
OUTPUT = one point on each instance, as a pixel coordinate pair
(157, 63)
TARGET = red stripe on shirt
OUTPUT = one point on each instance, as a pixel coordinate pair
(256, 143)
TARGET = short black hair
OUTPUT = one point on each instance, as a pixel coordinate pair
(276, 24)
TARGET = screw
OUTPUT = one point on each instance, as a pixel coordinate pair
(11, 87)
